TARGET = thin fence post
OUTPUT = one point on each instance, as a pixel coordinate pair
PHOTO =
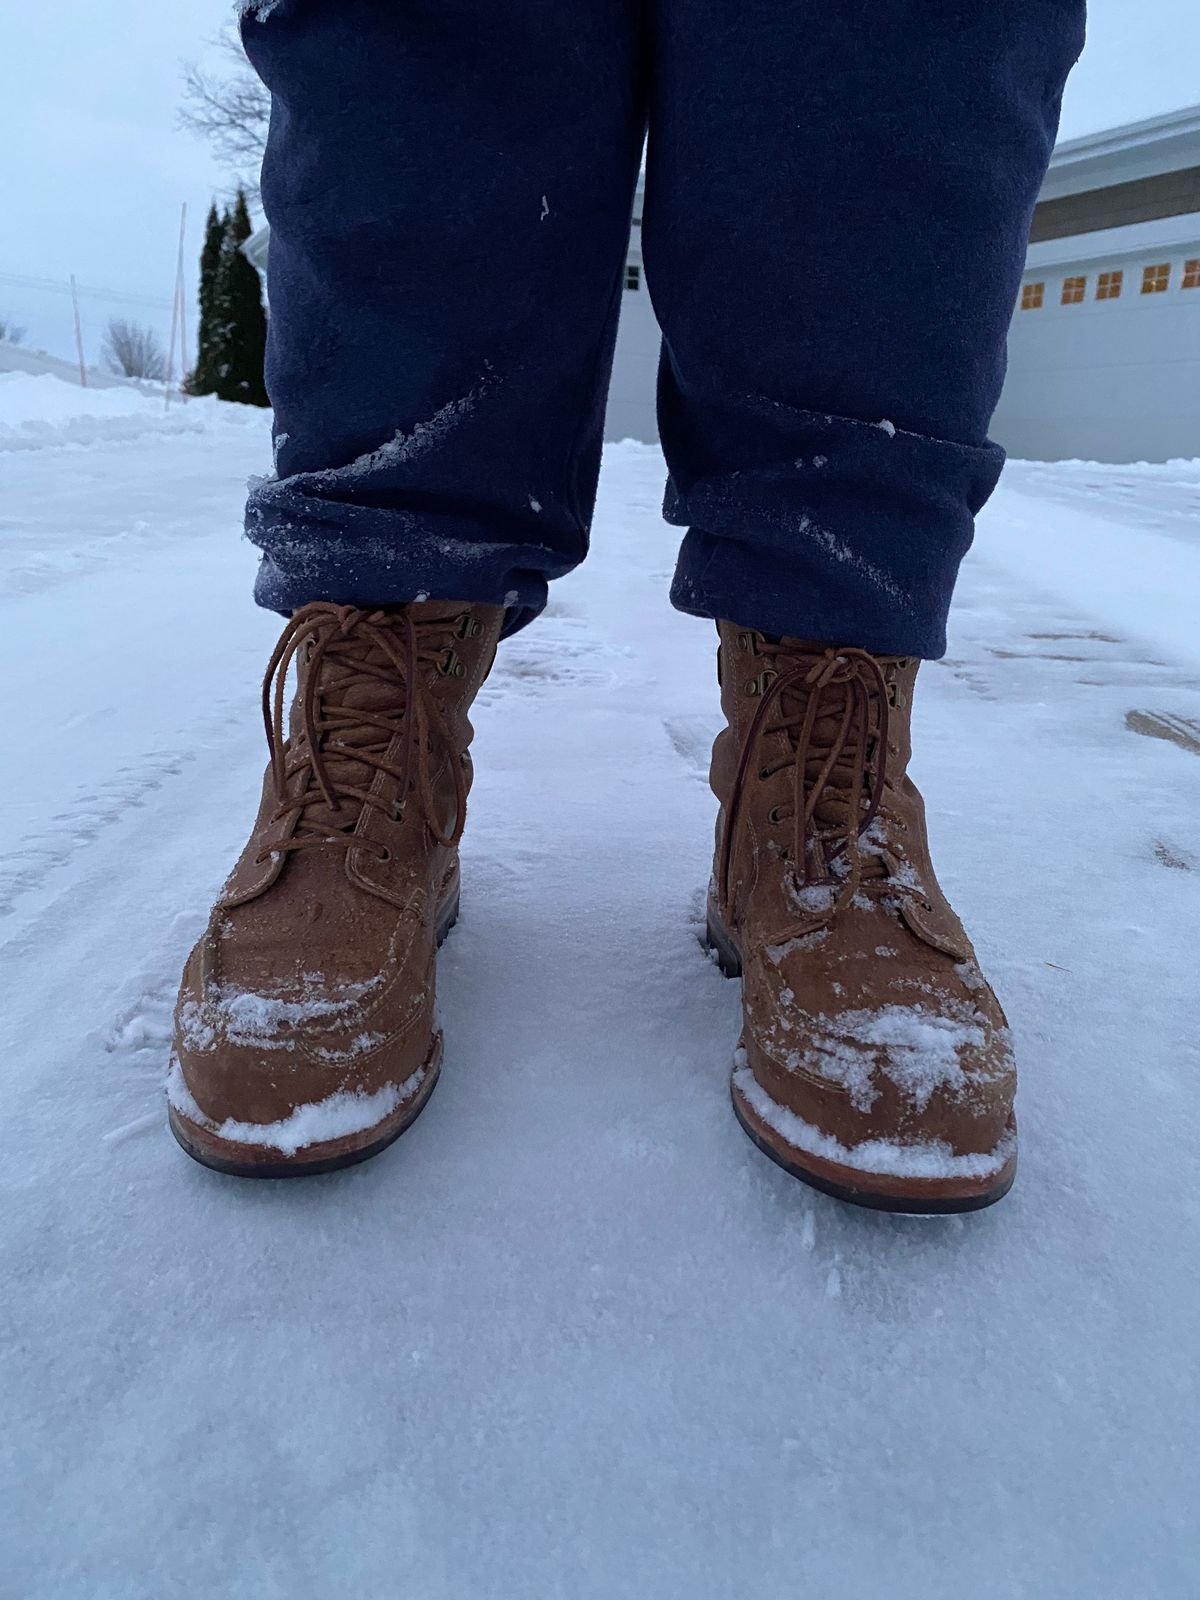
(177, 315)
(78, 334)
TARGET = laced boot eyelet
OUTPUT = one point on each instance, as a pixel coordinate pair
(747, 640)
(384, 854)
(758, 686)
(774, 815)
(469, 627)
(450, 666)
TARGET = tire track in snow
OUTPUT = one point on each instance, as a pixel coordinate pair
(556, 651)
(81, 822)
(96, 810)
(1052, 654)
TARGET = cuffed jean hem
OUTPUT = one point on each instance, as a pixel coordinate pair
(370, 556)
(857, 540)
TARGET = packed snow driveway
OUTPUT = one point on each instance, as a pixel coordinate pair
(573, 1336)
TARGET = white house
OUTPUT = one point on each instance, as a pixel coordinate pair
(630, 412)
(1104, 349)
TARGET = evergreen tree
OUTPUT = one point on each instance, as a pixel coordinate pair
(241, 321)
(208, 357)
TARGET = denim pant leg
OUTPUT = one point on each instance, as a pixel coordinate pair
(449, 185)
(838, 201)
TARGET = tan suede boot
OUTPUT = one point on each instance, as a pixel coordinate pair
(875, 1062)
(305, 1036)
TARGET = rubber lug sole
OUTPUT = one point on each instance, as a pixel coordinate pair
(220, 1155)
(718, 941)
(844, 1183)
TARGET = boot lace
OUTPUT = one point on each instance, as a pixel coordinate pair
(833, 706)
(363, 686)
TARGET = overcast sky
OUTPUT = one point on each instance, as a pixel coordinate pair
(95, 169)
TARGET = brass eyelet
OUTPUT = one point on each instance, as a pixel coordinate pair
(470, 627)
(773, 815)
(758, 686)
(450, 666)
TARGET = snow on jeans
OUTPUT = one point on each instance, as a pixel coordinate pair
(837, 202)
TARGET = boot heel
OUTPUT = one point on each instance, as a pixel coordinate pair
(717, 938)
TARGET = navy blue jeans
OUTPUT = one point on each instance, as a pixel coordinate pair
(838, 195)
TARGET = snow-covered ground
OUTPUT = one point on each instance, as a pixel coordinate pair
(573, 1338)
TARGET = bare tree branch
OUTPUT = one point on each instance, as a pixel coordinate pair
(231, 110)
(134, 350)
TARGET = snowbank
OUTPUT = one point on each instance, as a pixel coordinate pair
(20, 358)
(40, 409)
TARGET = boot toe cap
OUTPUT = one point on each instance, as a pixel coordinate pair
(907, 1062)
(254, 1054)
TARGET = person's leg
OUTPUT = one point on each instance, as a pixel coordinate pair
(838, 200)
(449, 186)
